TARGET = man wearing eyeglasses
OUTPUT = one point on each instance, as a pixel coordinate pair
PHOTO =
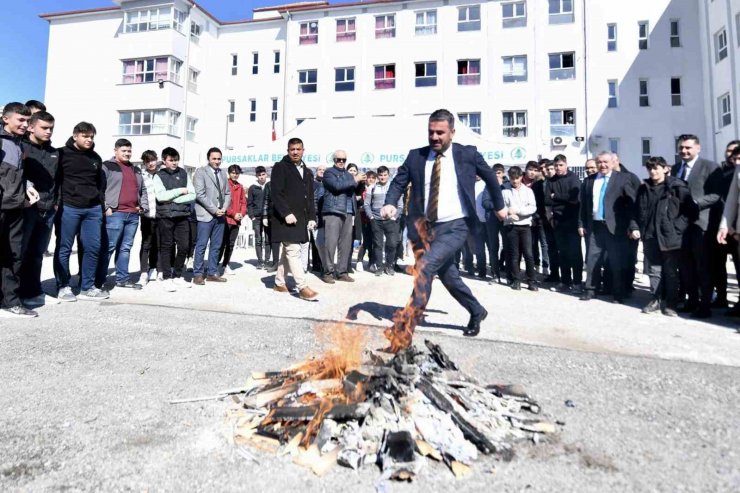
(338, 211)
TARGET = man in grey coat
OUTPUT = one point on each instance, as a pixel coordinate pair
(212, 199)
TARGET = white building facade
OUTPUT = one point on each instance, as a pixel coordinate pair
(554, 76)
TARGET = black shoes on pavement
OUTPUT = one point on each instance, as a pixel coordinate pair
(473, 328)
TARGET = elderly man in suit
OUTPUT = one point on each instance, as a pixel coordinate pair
(212, 199)
(698, 240)
(606, 217)
(292, 214)
(442, 205)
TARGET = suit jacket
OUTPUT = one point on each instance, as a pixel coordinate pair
(291, 194)
(468, 164)
(619, 204)
(208, 195)
(705, 187)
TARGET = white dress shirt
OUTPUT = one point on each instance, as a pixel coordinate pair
(480, 187)
(688, 166)
(450, 205)
(598, 183)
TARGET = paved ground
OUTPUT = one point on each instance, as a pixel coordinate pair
(86, 385)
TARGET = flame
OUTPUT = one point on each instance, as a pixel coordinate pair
(401, 333)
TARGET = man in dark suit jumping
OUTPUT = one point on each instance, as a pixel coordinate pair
(441, 213)
(607, 219)
(699, 239)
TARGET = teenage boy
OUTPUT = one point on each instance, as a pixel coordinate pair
(175, 194)
(385, 231)
(212, 200)
(35, 106)
(13, 196)
(521, 206)
(255, 211)
(82, 191)
(663, 208)
(40, 167)
(125, 199)
(149, 254)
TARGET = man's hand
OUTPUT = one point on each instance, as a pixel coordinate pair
(581, 232)
(265, 222)
(502, 214)
(184, 191)
(634, 235)
(513, 211)
(109, 212)
(32, 194)
(238, 216)
(359, 177)
(388, 211)
(514, 217)
(290, 219)
(312, 225)
(722, 236)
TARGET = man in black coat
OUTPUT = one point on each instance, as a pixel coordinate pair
(442, 206)
(699, 238)
(563, 198)
(293, 213)
(606, 213)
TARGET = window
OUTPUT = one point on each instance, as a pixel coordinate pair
(644, 99)
(234, 63)
(737, 27)
(346, 29)
(151, 70)
(151, 20)
(611, 37)
(720, 45)
(193, 80)
(515, 68)
(252, 110)
(614, 145)
(646, 144)
(675, 34)
(426, 22)
(643, 29)
(190, 124)
(675, 91)
(195, 30)
(613, 97)
(725, 113)
(471, 120)
(274, 113)
(148, 122)
(514, 14)
(562, 123)
(385, 26)
(468, 72)
(255, 63)
(385, 76)
(561, 11)
(344, 79)
(276, 63)
(562, 66)
(307, 81)
(515, 124)
(468, 18)
(179, 20)
(426, 74)
(309, 33)
(232, 111)
(676, 156)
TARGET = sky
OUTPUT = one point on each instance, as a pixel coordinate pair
(23, 57)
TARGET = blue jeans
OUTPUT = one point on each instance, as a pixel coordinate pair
(212, 231)
(118, 236)
(88, 222)
(37, 228)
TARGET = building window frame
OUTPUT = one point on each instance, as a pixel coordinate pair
(468, 18)
(152, 19)
(425, 74)
(195, 31)
(276, 62)
(563, 122)
(646, 146)
(147, 70)
(346, 29)
(385, 26)
(161, 121)
(308, 33)
(512, 68)
(675, 33)
(514, 14)
(308, 81)
(613, 93)
(344, 79)
(643, 35)
(252, 110)
(426, 22)
(190, 124)
(562, 65)
(385, 76)
(472, 120)
(561, 11)
(274, 111)
(231, 115)
(255, 62)
(234, 64)
(676, 99)
(644, 92)
(468, 72)
(193, 75)
(724, 110)
(514, 123)
(613, 144)
(720, 45)
(611, 37)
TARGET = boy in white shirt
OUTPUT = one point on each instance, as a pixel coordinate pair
(521, 206)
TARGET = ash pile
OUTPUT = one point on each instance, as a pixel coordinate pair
(360, 408)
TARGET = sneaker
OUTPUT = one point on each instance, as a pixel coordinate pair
(128, 285)
(94, 294)
(389, 271)
(189, 264)
(272, 268)
(669, 312)
(20, 311)
(169, 285)
(179, 282)
(260, 265)
(154, 275)
(360, 267)
(228, 271)
(66, 294)
(143, 279)
(160, 276)
(378, 272)
(652, 307)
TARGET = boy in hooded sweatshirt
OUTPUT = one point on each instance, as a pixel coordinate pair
(82, 193)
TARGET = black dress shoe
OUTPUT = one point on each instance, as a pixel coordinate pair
(516, 285)
(587, 296)
(652, 307)
(617, 301)
(473, 328)
(533, 286)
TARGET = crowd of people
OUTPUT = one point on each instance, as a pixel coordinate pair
(686, 216)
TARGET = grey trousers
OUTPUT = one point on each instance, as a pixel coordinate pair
(337, 236)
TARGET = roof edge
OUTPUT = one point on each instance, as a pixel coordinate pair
(67, 13)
